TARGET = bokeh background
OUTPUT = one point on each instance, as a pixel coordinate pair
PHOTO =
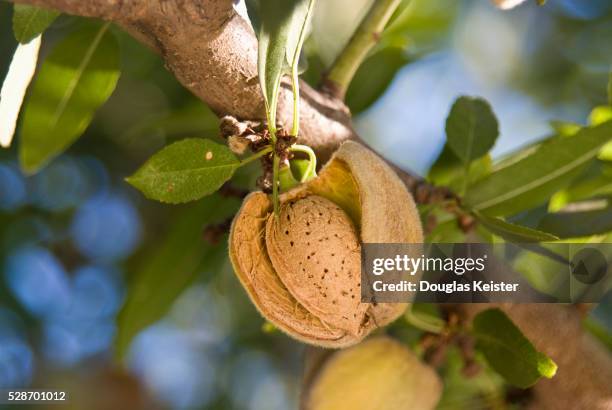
(89, 266)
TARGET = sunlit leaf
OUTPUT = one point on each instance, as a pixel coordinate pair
(595, 182)
(14, 87)
(75, 79)
(471, 128)
(597, 116)
(532, 180)
(30, 22)
(185, 171)
(513, 232)
(610, 89)
(278, 20)
(565, 128)
(508, 351)
(168, 267)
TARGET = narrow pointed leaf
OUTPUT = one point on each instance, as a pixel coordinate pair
(74, 81)
(532, 180)
(512, 232)
(280, 20)
(185, 171)
(508, 351)
(30, 22)
(578, 224)
(14, 87)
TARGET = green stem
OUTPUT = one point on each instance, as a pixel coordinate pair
(256, 156)
(295, 85)
(312, 166)
(295, 80)
(275, 168)
(363, 40)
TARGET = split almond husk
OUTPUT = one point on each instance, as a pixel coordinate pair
(302, 269)
(380, 373)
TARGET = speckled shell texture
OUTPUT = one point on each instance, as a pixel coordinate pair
(302, 269)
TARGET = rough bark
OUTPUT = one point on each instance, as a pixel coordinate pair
(212, 51)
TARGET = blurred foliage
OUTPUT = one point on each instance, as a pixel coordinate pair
(186, 332)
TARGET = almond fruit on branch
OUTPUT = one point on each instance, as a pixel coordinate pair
(302, 269)
(380, 373)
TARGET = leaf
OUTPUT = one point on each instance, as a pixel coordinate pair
(302, 170)
(374, 77)
(578, 224)
(185, 171)
(420, 26)
(532, 180)
(448, 170)
(78, 77)
(278, 18)
(29, 22)
(508, 351)
(610, 89)
(595, 182)
(513, 232)
(14, 87)
(471, 128)
(169, 266)
(597, 116)
(425, 316)
(297, 30)
(286, 179)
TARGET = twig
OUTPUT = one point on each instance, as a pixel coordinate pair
(363, 40)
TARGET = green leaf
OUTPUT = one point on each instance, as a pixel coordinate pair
(373, 77)
(78, 77)
(565, 128)
(449, 171)
(512, 232)
(29, 21)
(297, 30)
(301, 169)
(578, 224)
(610, 89)
(279, 19)
(598, 115)
(185, 171)
(595, 182)
(167, 267)
(286, 179)
(508, 351)
(425, 316)
(532, 180)
(471, 128)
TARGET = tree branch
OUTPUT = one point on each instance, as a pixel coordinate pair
(212, 51)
